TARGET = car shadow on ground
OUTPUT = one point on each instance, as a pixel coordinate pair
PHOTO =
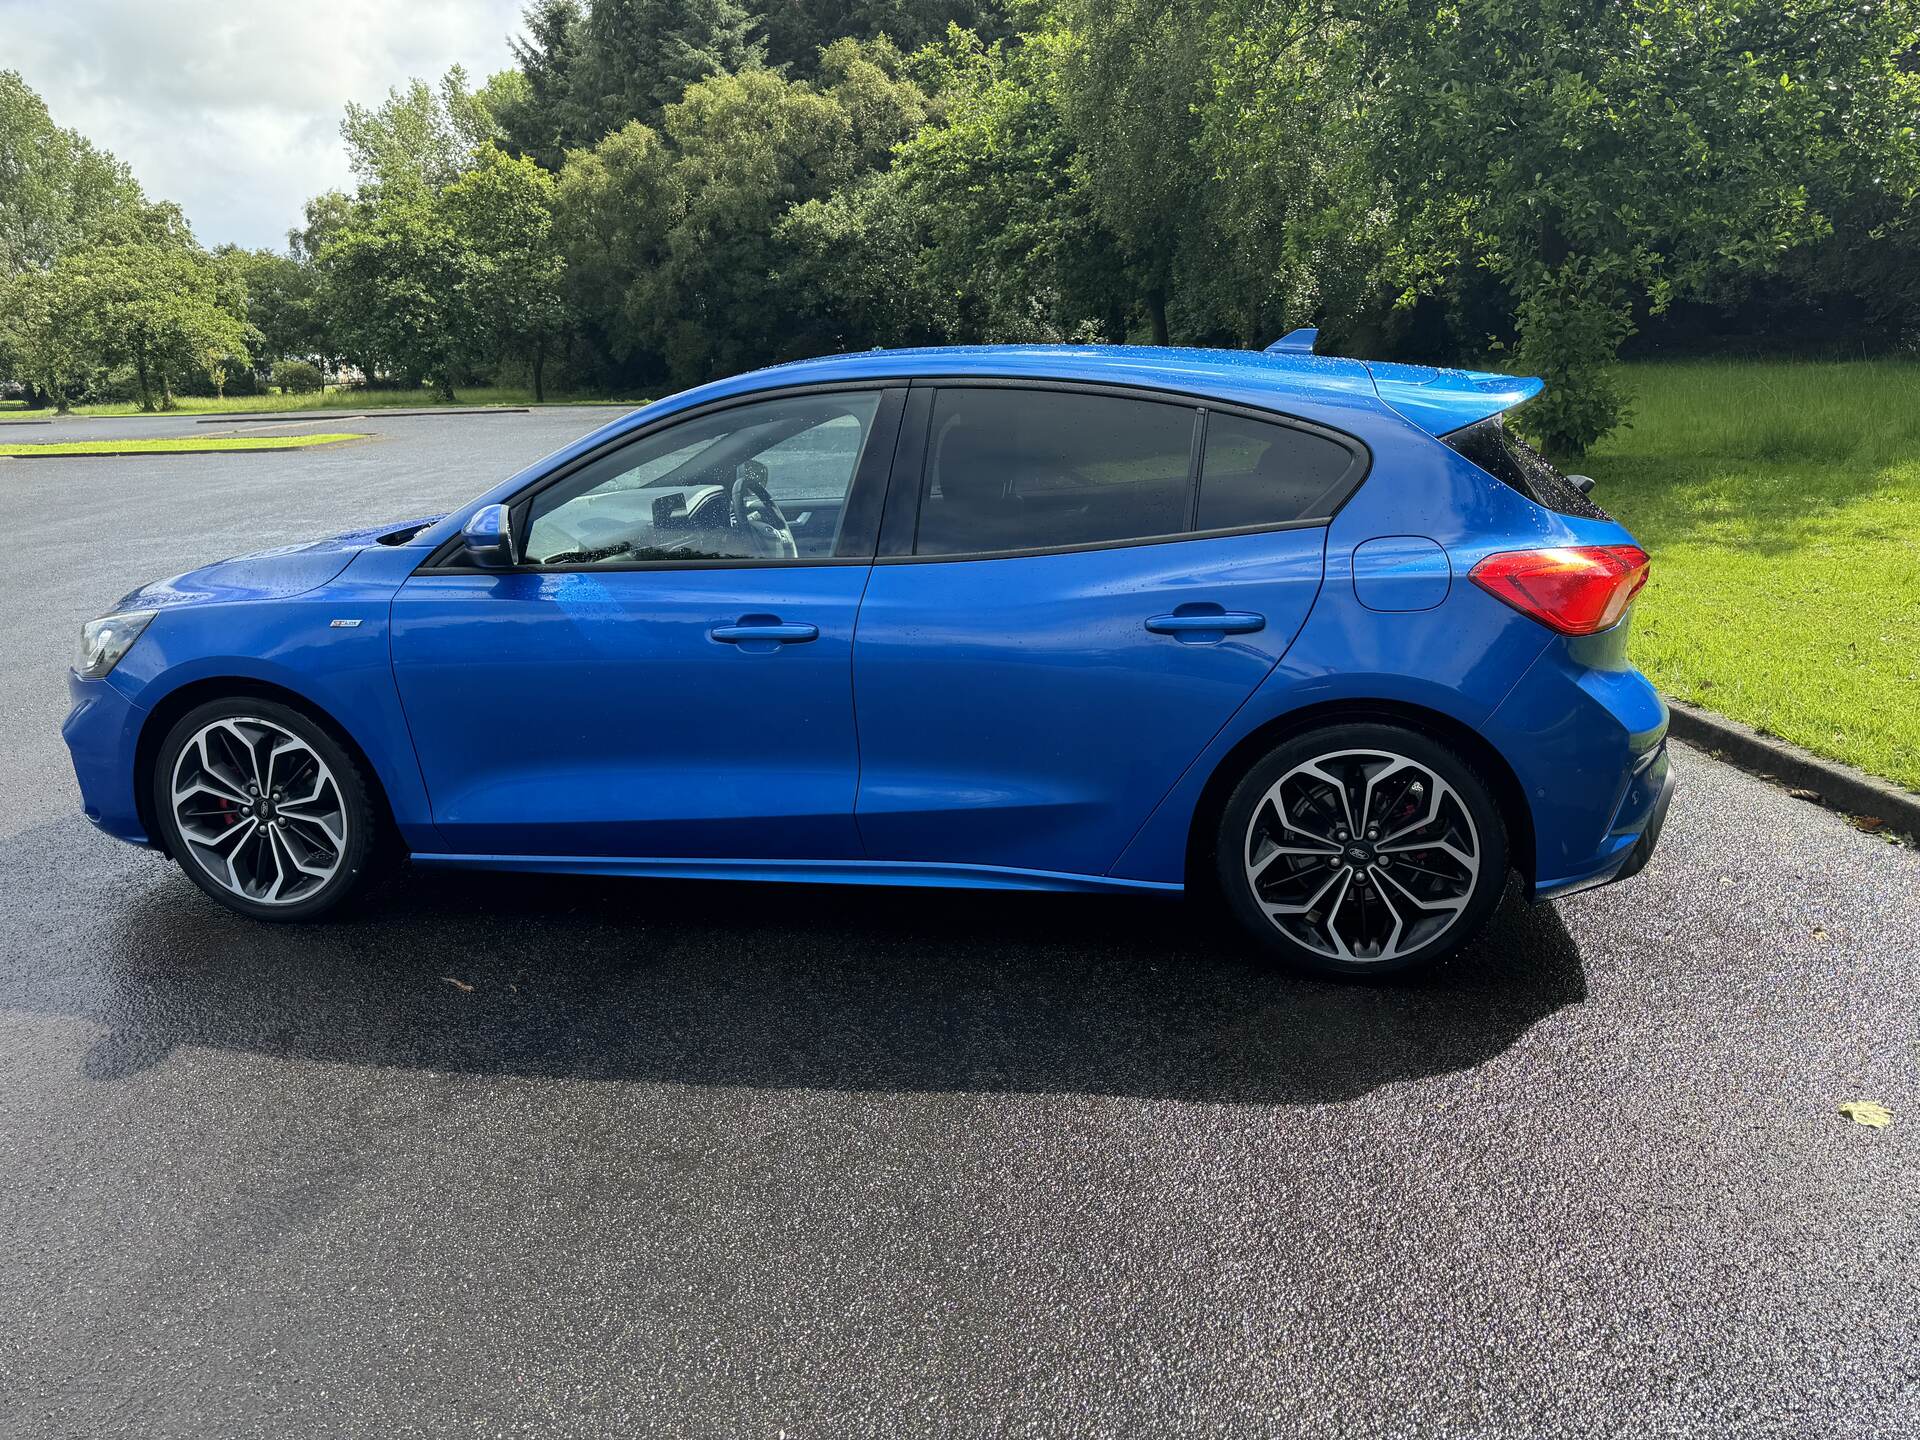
(785, 986)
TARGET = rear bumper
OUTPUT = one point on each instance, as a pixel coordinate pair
(1637, 850)
(1586, 737)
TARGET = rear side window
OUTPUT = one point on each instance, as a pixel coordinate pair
(1017, 469)
(1255, 473)
(1516, 464)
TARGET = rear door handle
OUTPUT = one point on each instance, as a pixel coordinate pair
(1207, 622)
(750, 628)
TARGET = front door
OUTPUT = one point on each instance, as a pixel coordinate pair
(667, 671)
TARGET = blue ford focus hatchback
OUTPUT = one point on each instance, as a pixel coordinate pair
(1315, 638)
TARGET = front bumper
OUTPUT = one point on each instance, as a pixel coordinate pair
(102, 732)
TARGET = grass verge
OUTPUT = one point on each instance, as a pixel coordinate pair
(344, 400)
(177, 445)
(1781, 503)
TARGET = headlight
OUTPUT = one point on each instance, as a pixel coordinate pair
(104, 641)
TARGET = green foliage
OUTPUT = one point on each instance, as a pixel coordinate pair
(502, 210)
(640, 198)
(543, 122)
(143, 296)
(297, 377)
(1568, 336)
(49, 330)
(419, 140)
(56, 189)
(637, 57)
(680, 228)
(1608, 158)
(798, 30)
(403, 289)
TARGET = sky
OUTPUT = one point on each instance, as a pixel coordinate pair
(231, 108)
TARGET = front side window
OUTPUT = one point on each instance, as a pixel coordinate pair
(1257, 473)
(1020, 469)
(763, 481)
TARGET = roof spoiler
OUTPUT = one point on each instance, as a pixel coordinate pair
(1441, 400)
(1438, 399)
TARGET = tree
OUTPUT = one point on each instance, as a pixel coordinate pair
(636, 57)
(56, 189)
(682, 226)
(544, 122)
(153, 303)
(1602, 160)
(402, 287)
(1017, 253)
(48, 331)
(502, 210)
(283, 304)
(798, 30)
(1132, 75)
(419, 140)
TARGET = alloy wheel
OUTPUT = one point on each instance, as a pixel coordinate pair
(259, 810)
(1362, 855)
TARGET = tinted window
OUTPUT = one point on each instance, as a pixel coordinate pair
(1019, 469)
(1513, 462)
(1254, 473)
(672, 495)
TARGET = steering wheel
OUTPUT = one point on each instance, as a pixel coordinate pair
(754, 514)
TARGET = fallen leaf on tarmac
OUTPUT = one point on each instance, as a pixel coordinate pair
(1819, 932)
(460, 985)
(1867, 1112)
(1813, 795)
(1868, 822)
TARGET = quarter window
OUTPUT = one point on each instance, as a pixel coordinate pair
(765, 481)
(1020, 469)
(1256, 473)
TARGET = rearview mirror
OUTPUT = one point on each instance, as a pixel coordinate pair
(488, 536)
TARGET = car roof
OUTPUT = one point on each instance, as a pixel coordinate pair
(1436, 399)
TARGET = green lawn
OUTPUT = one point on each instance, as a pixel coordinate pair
(178, 445)
(1781, 504)
(343, 400)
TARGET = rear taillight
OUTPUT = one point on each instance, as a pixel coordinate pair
(1575, 589)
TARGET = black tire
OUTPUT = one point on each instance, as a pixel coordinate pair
(364, 843)
(1423, 889)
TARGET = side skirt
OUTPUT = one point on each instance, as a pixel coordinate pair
(816, 872)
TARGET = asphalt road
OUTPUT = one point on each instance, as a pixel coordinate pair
(508, 1156)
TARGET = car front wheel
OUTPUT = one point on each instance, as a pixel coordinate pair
(1362, 849)
(264, 809)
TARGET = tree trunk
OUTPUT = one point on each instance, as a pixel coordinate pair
(146, 386)
(539, 370)
(1157, 310)
(445, 382)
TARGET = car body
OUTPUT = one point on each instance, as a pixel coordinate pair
(894, 671)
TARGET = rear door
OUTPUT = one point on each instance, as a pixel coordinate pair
(1076, 588)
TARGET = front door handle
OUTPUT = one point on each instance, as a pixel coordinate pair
(765, 629)
(1192, 620)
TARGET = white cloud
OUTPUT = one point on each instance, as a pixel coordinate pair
(231, 108)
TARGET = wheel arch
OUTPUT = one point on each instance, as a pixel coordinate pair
(176, 703)
(1508, 793)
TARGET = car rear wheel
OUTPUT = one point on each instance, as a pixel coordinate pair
(1362, 849)
(265, 810)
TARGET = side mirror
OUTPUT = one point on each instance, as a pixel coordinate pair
(488, 536)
